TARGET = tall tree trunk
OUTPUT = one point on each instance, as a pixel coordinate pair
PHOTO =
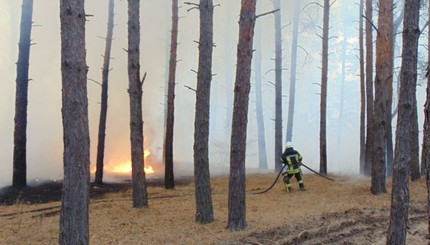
(166, 82)
(391, 115)
(169, 180)
(140, 195)
(425, 151)
(425, 160)
(103, 111)
(415, 145)
(278, 86)
(236, 195)
(407, 99)
(74, 225)
(362, 91)
(369, 89)
(228, 66)
(293, 71)
(324, 72)
(204, 209)
(19, 178)
(383, 78)
(262, 154)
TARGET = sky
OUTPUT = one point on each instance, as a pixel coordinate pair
(44, 130)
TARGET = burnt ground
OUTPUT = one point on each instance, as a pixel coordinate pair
(51, 191)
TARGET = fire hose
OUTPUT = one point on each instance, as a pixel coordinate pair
(279, 174)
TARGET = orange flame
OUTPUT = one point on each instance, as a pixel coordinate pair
(125, 167)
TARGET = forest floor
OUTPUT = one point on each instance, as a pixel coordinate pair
(340, 212)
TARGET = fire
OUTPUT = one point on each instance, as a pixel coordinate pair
(149, 170)
(125, 167)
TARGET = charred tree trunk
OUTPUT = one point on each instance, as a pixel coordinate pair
(407, 99)
(74, 225)
(384, 76)
(19, 178)
(204, 209)
(169, 179)
(262, 154)
(324, 72)
(369, 89)
(103, 111)
(278, 86)
(293, 72)
(362, 91)
(236, 195)
(140, 195)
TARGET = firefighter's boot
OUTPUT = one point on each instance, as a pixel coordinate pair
(302, 187)
(287, 188)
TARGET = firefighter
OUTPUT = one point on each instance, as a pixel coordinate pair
(293, 159)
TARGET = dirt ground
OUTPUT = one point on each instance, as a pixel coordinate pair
(340, 212)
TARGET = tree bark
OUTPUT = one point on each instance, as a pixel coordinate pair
(204, 209)
(390, 148)
(415, 145)
(236, 197)
(426, 130)
(74, 224)
(229, 77)
(362, 91)
(369, 89)
(293, 72)
(278, 86)
(104, 103)
(323, 105)
(262, 153)
(425, 160)
(140, 195)
(384, 73)
(169, 179)
(19, 178)
(402, 158)
(425, 151)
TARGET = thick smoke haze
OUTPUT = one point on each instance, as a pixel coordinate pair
(44, 132)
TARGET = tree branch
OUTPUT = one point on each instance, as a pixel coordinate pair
(190, 88)
(195, 6)
(312, 3)
(269, 71)
(94, 81)
(332, 3)
(143, 79)
(371, 23)
(307, 54)
(271, 12)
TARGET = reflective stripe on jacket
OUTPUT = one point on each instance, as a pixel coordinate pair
(292, 158)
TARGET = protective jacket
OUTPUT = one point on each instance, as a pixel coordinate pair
(293, 159)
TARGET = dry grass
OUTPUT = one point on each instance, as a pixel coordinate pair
(170, 220)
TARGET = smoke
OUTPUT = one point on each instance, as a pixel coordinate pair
(44, 137)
